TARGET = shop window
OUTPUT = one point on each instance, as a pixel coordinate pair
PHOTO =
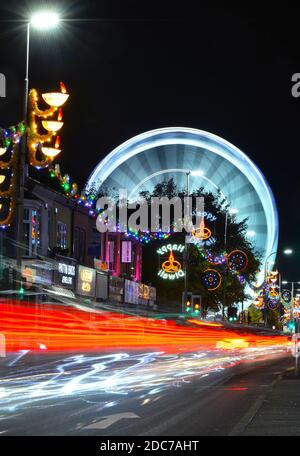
(31, 231)
(79, 244)
(62, 241)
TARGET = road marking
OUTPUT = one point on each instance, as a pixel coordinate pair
(109, 420)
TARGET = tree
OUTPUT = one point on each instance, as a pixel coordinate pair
(198, 262)
(255, 314)
(233, 284)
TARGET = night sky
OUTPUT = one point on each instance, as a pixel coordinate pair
(146, 65)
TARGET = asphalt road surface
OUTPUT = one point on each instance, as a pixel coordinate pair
(135, 393)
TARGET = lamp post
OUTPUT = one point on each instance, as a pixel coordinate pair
(228, 212)
(42, 20)
(293, 284)
(287, 251)
(198, 173)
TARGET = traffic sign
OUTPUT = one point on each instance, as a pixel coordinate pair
(295, 347)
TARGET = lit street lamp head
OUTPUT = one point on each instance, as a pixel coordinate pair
(197, 173)
(288, 252)
(44, 20)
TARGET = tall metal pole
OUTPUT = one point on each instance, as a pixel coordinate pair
(266, 272)
(186, 246)
(225, 281)
(292, 304)
(21, 165)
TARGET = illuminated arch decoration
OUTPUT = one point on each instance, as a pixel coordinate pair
(237, 261)
(212, 279)
(144, 160)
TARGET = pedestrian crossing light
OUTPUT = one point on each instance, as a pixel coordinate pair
(232, 314)
(291, 326)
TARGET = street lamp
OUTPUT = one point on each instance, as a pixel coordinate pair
(229, 211)
(42, 20)
(196, 173)
(285, 282)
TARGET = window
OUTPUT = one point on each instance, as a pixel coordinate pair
(79, 244)
(61, 235)
(31, 231)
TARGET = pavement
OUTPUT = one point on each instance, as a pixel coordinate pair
(277, 412)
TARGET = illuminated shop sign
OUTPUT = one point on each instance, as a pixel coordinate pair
(65, 274)
(86, 281)
(100, 265)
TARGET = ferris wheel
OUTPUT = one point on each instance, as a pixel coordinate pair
(151, 157)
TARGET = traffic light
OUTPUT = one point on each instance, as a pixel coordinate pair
(21, 292)
(197, 309)
(232, 314)
(188, 302)
(188, 306)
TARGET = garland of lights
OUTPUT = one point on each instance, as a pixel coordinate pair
(215, 260)
(143, 237)
(9, 140)
(212, 279)
(70, 189)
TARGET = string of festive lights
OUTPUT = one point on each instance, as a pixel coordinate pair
(70, 188)
(8, 176)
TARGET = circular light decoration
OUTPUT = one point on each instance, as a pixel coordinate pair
(237, 261)
(286, 296)
(212, 279)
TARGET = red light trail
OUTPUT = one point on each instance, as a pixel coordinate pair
(63, 328)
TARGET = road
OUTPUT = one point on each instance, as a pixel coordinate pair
(73, 396)
(144, 377)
